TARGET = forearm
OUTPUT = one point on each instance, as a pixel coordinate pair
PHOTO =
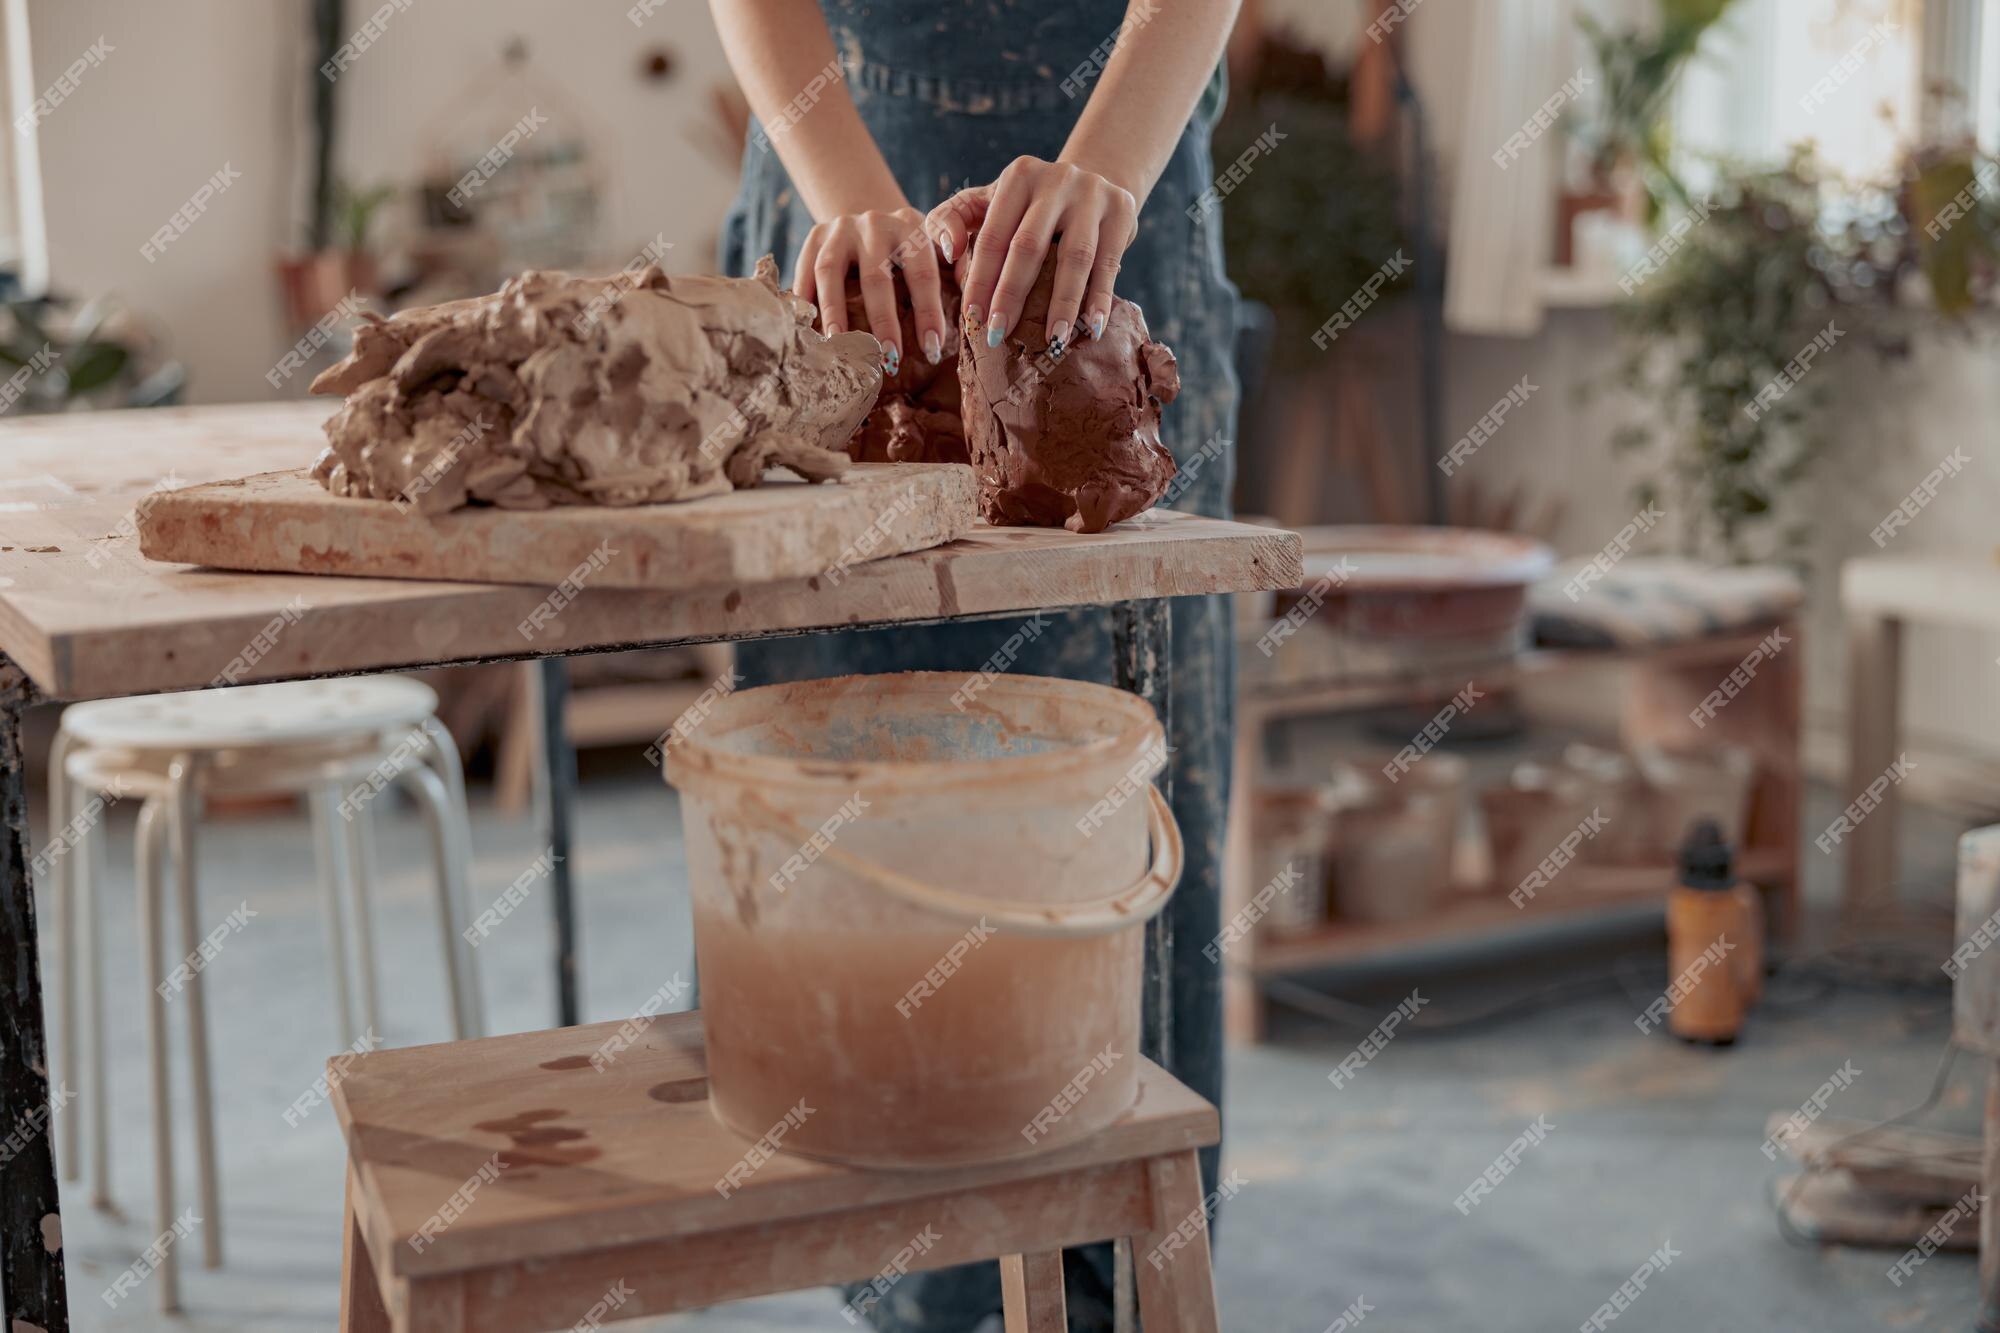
(781, 51)
(1150, 85)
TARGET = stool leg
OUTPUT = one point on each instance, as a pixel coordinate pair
(1176, 1287)
(186, 808)
(325, 801)
(152, 948)
(361, 878)
(361, 1306)
(63, 889)
(1988, 1314)
(448, 852)
(442, 754)
(1031, 1291)
(89, 884)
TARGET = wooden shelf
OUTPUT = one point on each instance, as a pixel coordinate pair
(1580, 891)
(1664, 684)
(1269, 700)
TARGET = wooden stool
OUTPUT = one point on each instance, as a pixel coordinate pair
(529, 1182)
(335, 742)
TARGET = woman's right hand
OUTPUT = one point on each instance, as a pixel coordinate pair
(878, 244)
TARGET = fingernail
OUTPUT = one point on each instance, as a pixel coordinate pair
(933, 348)
(832, 329)
(892, 358)
(1096, 327)
(971, 317)
(944, 244)
(1056, 340)
(996, 329)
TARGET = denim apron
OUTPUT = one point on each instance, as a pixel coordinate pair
(954, 90)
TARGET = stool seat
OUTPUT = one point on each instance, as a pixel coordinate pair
(283, 713)
(505, 1181)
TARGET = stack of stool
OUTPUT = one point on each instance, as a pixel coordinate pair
(339, 743)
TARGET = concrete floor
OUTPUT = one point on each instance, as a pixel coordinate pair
(1349, 1191)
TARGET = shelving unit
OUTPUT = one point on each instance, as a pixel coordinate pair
(1664, 683)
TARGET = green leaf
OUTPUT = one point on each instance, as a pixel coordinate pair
(1948, 241)
(95, 366)
(29, 326)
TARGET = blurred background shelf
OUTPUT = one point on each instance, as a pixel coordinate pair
(1659, 688)
(1580, 890)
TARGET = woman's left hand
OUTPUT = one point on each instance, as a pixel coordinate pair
(1011, 225)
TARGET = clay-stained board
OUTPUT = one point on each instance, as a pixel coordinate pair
(286, 523)
(420, 1120)
(87, 616)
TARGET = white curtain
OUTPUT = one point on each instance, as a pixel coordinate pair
(1502, 218)
(23, 236)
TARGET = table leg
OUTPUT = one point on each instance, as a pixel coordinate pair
(361, 1306)
(558, 792)
(1176, 1283)
(1874, 697)
(1989, 1215)
(1031, 1293)
(1245, 1011)
(31, 1239)
(1142, 646)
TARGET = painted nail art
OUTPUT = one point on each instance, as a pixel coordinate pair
(1056, 341)
(944, 244)
(933, 348)
(996, 330)
(1096, 327)
(971, 316)
(892, 359)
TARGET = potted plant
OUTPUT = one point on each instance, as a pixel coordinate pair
(1624, 140)
(1786, 257)
(81, 355)
(319, 280)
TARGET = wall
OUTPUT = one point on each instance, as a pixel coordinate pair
(429, 71)
(195, 83)
(185, 88)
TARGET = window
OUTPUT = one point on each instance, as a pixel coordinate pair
(1846, 75)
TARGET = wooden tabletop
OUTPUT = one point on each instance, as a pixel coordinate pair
(629, 1152)
(1961, 589)
(86, 616)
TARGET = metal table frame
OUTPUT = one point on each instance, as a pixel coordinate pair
(32, 1267)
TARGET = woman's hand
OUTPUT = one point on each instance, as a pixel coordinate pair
(1035, 204)
(878, 244)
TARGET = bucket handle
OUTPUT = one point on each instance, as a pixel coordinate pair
(1138, 901)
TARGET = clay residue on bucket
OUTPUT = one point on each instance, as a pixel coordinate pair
(732, 845)
(917, 734)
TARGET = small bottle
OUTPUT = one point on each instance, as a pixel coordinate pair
(1708, 943)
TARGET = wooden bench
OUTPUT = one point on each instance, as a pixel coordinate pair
(530, 1182)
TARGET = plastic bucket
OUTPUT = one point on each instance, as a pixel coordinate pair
(918, 905)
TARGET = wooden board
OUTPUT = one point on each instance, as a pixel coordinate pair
(1831, 1209)
(285, 522)
(1920, 1165)
(87, 616)
(640, 1154)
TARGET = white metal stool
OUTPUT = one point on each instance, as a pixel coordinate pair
(339, 743)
